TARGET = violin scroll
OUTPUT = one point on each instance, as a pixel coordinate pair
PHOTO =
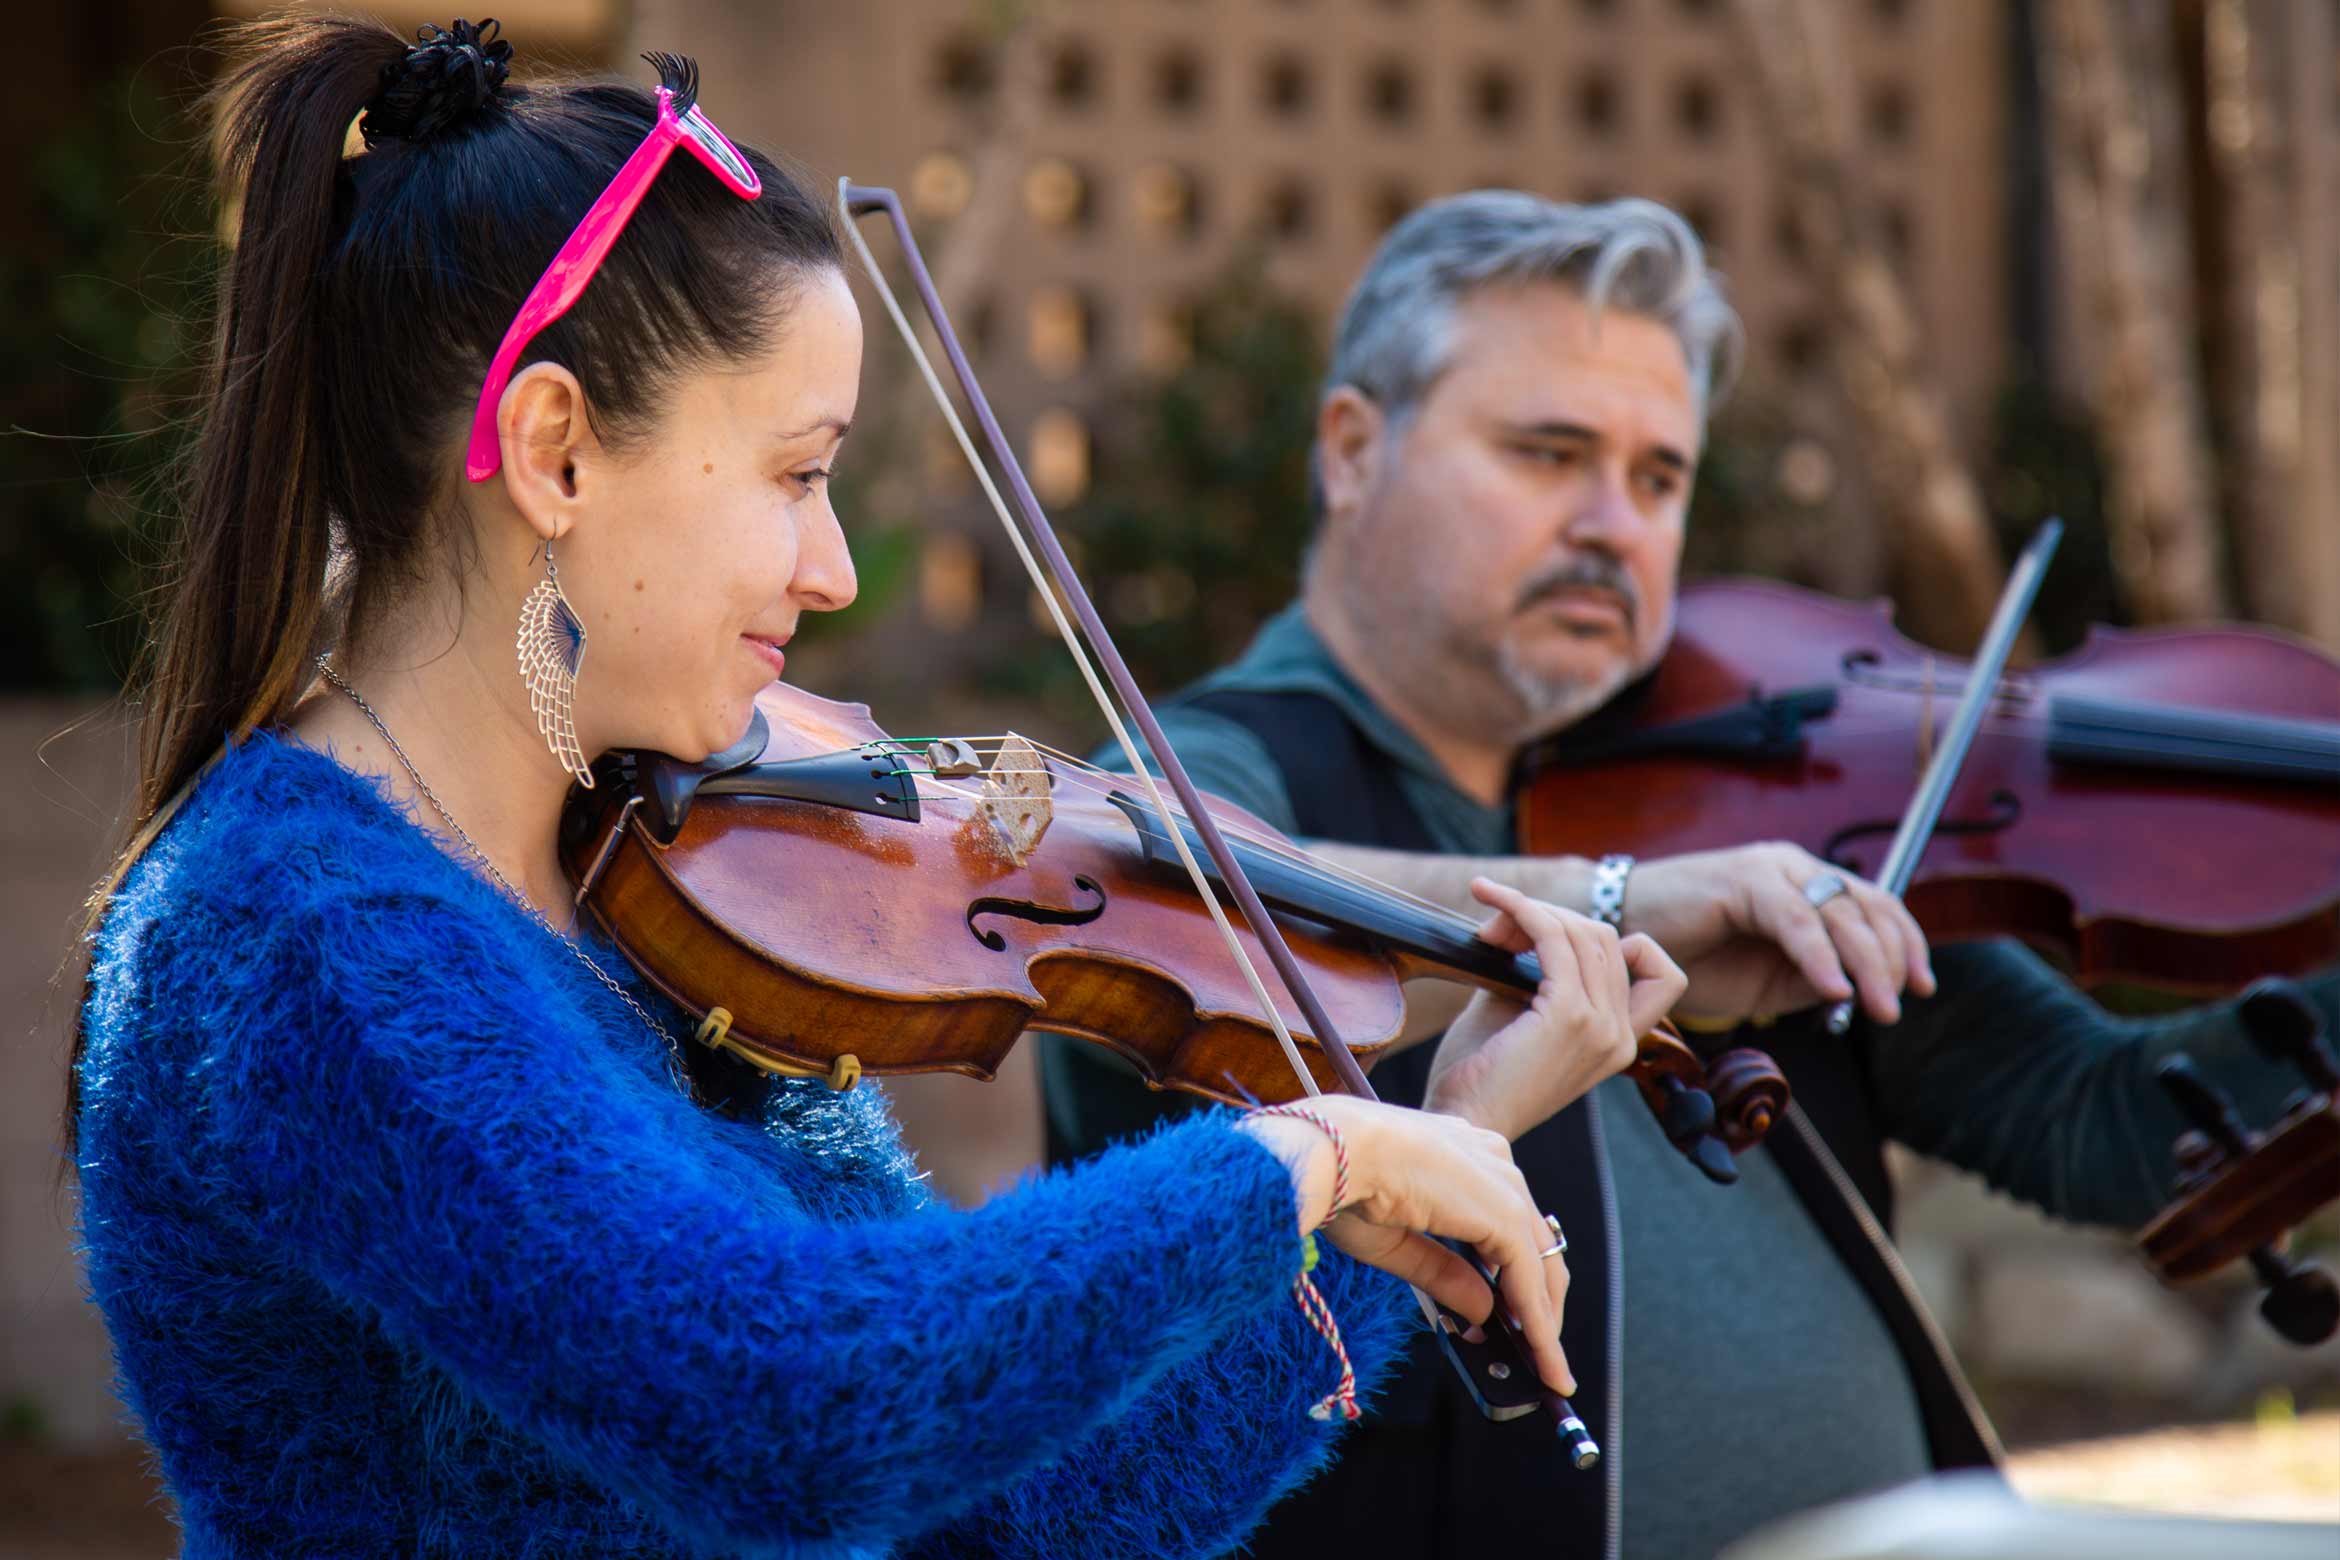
(1750, 1093)
(2240, 1191)
(1709, 1110)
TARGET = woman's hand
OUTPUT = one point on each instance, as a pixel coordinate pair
(1414, 1174)
(1508, 1066)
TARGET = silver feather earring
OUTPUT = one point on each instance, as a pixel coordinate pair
(552, 649)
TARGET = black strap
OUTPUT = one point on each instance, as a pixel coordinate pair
(1340, 789)
(1957, 1431)
(1832, 1078)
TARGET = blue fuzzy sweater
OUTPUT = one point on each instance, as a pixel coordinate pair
(409, 1247)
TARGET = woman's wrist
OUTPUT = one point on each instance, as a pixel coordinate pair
(1309, 1153)
(1451, 1093)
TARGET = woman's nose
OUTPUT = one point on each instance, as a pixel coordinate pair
(824, 565)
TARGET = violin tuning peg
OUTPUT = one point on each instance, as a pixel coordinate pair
(2209, 1111)
(2196, 1157)
(2286, 1028)
(1689, 1113)
(2302, 1303)
(1714, 1161)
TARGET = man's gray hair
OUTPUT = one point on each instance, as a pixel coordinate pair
(1395, 333)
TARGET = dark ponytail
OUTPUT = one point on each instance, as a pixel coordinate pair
(241, 613)
(356, 317)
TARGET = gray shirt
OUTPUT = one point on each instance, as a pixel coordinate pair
(1733, 1297)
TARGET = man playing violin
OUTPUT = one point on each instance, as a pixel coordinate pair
(1504, 456)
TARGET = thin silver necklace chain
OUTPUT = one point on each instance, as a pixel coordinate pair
(681, 1069)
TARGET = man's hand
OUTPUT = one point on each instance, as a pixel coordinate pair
(1736, 920)
(1508, 1066)
(1753, 944)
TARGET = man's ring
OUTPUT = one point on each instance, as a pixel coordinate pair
(1559, 1241)
(1822, 888)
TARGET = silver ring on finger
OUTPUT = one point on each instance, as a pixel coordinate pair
(1559, 1241)
(1823, 887)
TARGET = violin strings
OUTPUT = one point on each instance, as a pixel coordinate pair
(1105, 704)
(1099, 782)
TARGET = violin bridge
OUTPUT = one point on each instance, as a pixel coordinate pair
(1014, 799)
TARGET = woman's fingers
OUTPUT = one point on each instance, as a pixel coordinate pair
(1569, 946)
(1501, 930)
(1438, 1270)
(1511, 1244)
(1595, 946)
(1520, 924)
(1657, 981)
(1415, 1173)
(1536, 1296)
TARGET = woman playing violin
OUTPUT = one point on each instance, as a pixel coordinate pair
(417, 1228)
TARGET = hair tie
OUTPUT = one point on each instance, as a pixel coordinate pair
(446, 77)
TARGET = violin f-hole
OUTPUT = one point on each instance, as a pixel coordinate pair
(1037, 914)
(2001, 812)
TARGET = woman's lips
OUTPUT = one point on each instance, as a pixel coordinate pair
(770, 650)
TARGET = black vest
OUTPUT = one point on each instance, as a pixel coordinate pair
(1425, 1474)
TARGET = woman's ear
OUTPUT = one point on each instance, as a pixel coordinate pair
(543, 430)
(1349, 430)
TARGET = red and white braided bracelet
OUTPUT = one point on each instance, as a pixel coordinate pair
(1304, 1290)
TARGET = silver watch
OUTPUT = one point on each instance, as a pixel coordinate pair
(1608, 889)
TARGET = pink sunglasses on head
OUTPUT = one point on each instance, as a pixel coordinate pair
(680, 123)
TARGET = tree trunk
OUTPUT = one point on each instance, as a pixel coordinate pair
(2249, 238)
(2116, 198)
(2313, 91)
(1948, 558)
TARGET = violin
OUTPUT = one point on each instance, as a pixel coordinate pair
(859, 963)
(2156, 807)
(830, 902)
(2160, 807)
(2239, 1191)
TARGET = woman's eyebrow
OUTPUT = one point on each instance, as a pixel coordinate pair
(841, 425)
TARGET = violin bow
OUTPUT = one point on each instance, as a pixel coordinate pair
(1982, 686)
(1059, 585)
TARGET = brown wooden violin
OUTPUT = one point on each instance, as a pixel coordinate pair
(2239, 1191)
(831, 902)
(811, 876)
(2159, 807)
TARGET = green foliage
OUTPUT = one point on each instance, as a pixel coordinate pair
(1199, 516)
(94, 310)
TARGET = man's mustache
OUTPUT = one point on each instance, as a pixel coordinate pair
(1590, 571)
